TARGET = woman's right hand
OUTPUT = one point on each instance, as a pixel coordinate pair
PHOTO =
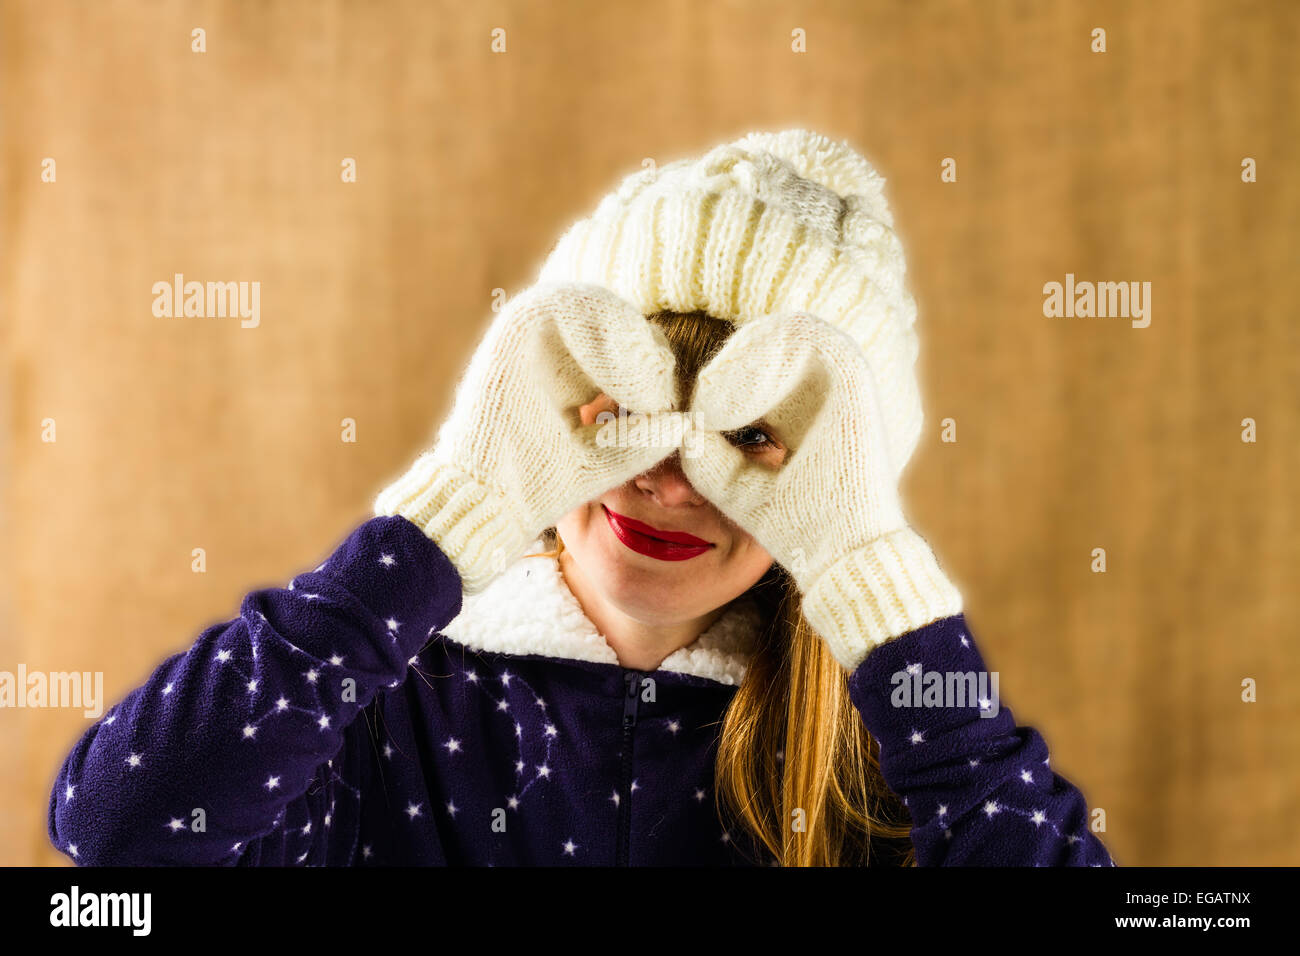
(514, 455)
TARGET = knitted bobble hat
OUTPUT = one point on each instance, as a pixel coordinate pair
(773, 222)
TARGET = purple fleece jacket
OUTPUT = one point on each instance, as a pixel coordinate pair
(332, 724)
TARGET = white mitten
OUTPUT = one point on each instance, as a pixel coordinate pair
(830, 513)
(514, 456)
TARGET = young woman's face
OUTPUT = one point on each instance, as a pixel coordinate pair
(666, 585)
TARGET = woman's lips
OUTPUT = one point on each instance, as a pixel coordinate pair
(648, 540)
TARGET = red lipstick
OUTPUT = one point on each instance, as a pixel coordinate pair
(649, 540)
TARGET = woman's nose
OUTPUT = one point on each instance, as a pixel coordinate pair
(666, 483)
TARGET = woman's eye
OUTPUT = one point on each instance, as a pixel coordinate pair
(751, 438)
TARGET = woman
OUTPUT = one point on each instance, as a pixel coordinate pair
(571, 636)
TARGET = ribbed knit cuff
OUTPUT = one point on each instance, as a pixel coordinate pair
(882, 591)
(469, 522)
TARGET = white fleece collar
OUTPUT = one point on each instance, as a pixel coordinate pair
(529, 609)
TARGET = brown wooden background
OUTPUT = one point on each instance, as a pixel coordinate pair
(1072, 433)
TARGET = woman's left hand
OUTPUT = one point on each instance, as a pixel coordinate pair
(830, 513)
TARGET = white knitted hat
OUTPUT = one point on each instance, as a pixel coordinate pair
(775, 221)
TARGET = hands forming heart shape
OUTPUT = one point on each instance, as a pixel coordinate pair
(514, 456)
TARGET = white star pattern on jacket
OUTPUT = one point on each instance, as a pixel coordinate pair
(315, 730)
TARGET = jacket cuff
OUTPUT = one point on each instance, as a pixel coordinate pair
(892, 586)
(469, 521)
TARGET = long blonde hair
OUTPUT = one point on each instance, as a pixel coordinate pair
(796, 769)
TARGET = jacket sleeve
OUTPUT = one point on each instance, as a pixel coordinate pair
(197, 764)
(979, 789)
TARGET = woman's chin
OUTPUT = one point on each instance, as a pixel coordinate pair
(637, 580)
(632, 571)
(641, 585)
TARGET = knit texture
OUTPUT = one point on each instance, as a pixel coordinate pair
(831, 512)
(773, 222)
(513, 456)
(333, 723)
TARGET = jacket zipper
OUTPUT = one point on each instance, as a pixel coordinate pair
(623, 841)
